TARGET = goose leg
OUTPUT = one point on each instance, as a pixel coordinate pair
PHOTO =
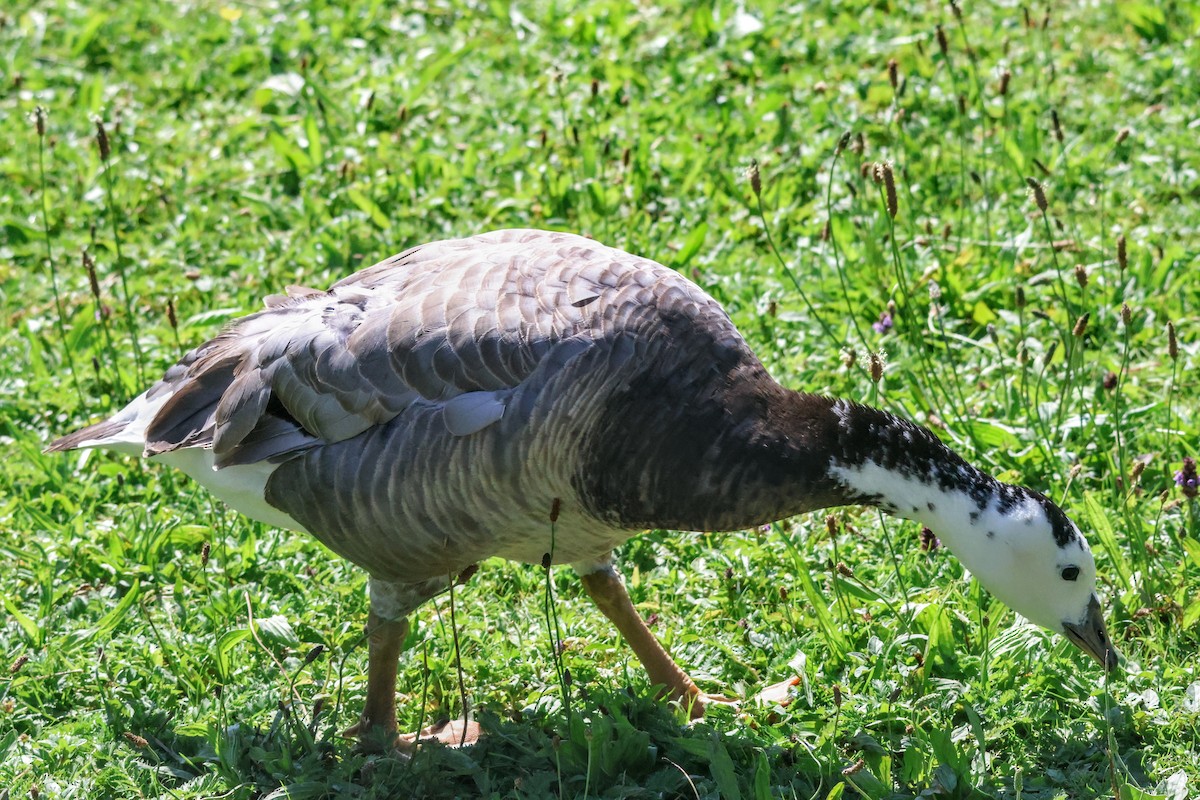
(376, 729)
(387, 628)
(607, 590)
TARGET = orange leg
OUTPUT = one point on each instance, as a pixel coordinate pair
(607, 590)
(376, 729)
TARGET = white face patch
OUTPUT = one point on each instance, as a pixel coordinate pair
(1012, 551)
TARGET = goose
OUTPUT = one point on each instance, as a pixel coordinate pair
(542, 397)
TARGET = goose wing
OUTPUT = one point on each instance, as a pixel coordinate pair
(458, 323)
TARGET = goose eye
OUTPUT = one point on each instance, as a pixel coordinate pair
(1070, 573)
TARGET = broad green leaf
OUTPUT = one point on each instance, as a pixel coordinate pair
(312, 132)
(277, 630)
(1130, 792)
(723, 771)
(31, 628)
(1098, 520)
(691, 246)
(225, 645)
(1192, 546)
(369, 207)
(113, 618)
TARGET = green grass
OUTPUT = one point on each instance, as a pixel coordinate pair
(156, 644)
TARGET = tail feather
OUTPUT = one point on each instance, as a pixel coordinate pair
(92, 436)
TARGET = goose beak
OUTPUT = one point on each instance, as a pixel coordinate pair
(1091, 636)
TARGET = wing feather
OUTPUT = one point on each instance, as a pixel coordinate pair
(459, 323)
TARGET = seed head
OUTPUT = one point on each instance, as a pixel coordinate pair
(1172, 342)
(171, 318)
(102, 139)
(957, 11)
(755, 178)
(893, 71)
(1005, 77)
(546, 561)
(1122, 256)
(1138, 468)
(1020, 297)
(39, 120)
(889, 186)
(555, 507)
(843, 143)
(860, 143)
(876, 363)
(1058, 131)
(135, 740)
(205, 550)
(855, 768)
(1110, 381)
(1046, 359)
(595, 88)
(314, 653)
(831, 525)
(844, 570)
(1081, 276)
(1038, 193)
(1081, 324)
(943, 42)
(837, 695)
(1126, 314)
(89, 267)
(1122, 135)
(849, 357)
(16, 665)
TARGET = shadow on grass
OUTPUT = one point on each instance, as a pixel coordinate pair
(613, 745)
(616, 745)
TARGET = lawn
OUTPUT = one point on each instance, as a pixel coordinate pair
(1030, 288)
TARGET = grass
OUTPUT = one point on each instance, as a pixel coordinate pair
(156, 644)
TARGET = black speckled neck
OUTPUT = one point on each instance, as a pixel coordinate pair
(754, 452)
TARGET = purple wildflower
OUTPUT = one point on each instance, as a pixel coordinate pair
(1187, 479)
(884, 324)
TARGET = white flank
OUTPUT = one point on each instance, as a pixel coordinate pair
(242, 487)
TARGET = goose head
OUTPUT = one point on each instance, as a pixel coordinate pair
(1016, 542)
(1035, 560)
